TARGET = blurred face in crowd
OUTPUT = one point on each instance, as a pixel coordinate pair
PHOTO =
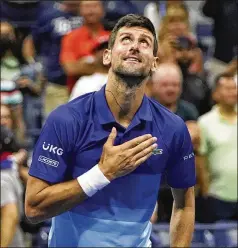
(226, 92)
(6, 118)
(166, 84)
(91, 11)
(7, 37)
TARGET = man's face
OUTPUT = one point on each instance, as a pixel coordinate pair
(91, 11)
(167, 88)
(6, 30)
(227, 92)
(6, 119)
(132, 53)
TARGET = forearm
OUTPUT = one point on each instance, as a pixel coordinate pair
(202, 175)
(7, 233)
(9, 223)
(181, 226)
(54, 200)
(79, 68)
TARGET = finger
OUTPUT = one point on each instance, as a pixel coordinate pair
(134, 142)
(142, 160)
(112, 136)
(144, 152)
(142, 146)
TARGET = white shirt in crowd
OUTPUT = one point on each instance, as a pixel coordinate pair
(88, 84)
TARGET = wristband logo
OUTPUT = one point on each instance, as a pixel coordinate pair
(53, 149)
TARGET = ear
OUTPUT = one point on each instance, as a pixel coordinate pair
(107, 57)
(155, 64)
(215, 96)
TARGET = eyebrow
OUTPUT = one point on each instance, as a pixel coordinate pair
(143, 35)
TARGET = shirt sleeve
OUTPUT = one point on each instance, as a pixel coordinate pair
(67, 52)
(51, 155)
(181, 168)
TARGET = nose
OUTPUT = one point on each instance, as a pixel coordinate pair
(134, 46)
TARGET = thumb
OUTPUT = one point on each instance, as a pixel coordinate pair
(112, 136)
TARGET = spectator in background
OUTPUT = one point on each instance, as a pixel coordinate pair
(219, 151)
(45, 40)
(166, 88)
(10, 145)
(77, 47)
(156, 10)
(11, 209)
(184, 51)
(225, 29)
(174, 26)
(11, 160)
(95, 81)
(224, 14)
(11, 64)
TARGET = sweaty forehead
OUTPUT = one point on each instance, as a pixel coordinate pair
(138, 31)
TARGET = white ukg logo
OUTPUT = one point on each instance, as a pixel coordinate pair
(53, 149)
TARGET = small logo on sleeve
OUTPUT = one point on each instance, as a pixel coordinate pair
(191, 155)
(53, 149)
(48, 161)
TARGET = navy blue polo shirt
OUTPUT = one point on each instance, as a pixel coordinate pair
(71, 143)
(47, 33)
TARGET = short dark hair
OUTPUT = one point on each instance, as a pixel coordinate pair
(132, 20)
(219, 77)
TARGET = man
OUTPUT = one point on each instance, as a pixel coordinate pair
(77, 47)
(44, 44)
(166, 88)
(95, 81)
(219, 151)
(11, 159)
(74, 157)
(184, 51)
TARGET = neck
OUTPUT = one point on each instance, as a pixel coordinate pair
(94, 28)
(227, 111)
(102, 69)
(172, 107)
(123, 101)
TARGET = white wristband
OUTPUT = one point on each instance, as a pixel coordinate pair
(92, 181)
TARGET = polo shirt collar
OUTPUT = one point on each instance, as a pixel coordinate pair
(105, 115)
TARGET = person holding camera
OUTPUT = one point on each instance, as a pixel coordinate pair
(178, 45)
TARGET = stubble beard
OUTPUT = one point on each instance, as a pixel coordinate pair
(131, 79)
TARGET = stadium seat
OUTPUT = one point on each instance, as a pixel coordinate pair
(219, 234)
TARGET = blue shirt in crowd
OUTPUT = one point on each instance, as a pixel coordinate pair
(50, 28)
(71, 143)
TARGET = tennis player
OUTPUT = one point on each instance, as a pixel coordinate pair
(97, 165)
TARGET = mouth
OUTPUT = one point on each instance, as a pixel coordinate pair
(132, 59)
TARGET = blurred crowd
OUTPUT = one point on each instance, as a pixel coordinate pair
(51, 52)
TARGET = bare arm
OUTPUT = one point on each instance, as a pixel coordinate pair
(79, 68)
(183, 215)
(44, 201)
(28, 49)
(202, 174)
(9, 221)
